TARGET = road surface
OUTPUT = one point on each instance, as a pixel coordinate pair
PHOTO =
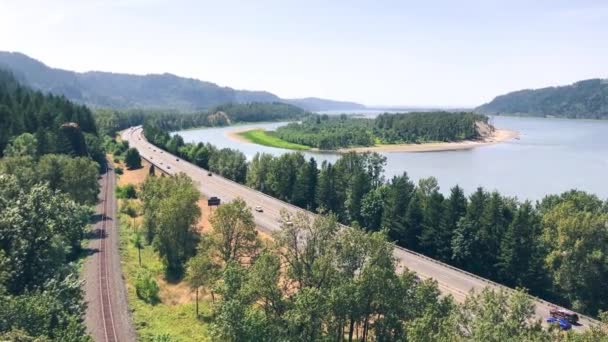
(107, 317)
(451, 280)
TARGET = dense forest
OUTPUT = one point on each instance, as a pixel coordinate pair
(58, 125)
(151, 92)
(431, 126)
(111, 121)
(332, 132)
(582, 100)
(48, 182)
(519, 244)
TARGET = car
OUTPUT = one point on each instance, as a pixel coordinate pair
(161, 151)
(209, 174)
(213, 201)
(176, 159)
(288, 223)
(564, 324)
(259, 209)
(168, 166)
(161, 163)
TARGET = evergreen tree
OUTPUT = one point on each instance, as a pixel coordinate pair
(132, 159)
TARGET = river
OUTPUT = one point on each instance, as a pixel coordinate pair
(551, 156)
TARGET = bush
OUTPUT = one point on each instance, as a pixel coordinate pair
(118, 169)
(132, 159)
(128, 191)
(146, 287)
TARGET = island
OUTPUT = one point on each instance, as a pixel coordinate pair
(396, 132)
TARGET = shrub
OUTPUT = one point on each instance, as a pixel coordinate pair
(132, 159)
(128, 191)
(146, 287)
(118, 170)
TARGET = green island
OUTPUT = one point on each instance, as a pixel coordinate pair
(268, 138)
(334, 132)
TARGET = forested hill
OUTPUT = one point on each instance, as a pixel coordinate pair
(110, 121)
(582, 100)
(154, 91)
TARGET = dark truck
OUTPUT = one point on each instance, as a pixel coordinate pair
(213, 201)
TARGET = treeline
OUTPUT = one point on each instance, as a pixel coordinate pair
(226, 162)
(332, 132)
(519, 244)
(47, 183)
(328, 132)
(112, 121)
(431, 126)
(58, 125)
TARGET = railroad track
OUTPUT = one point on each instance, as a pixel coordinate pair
(105, 300)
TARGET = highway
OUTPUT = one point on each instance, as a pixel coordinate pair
(451, 280)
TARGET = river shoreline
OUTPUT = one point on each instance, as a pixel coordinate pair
(497, 136)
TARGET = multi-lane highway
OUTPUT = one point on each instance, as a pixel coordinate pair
(452, 281)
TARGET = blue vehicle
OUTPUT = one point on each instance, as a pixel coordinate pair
(563, 323)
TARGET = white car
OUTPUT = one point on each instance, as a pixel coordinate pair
(259, 209)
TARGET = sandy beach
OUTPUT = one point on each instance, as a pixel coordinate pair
(498, 136)
(234, 134)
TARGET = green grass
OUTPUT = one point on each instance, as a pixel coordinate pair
(176, 321)
(266, 138)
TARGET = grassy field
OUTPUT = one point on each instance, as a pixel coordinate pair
(174, 317)
(266, 138)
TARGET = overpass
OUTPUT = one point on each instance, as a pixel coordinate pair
(451, 280)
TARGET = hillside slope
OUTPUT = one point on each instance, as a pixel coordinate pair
(156, 91)
(586, 99)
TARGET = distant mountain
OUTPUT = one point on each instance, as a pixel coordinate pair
(582, 100)
(156, 91)
(317, 104)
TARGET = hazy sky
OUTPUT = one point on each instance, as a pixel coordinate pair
(449, 53)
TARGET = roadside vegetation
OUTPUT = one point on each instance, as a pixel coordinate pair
(48, 184)
(519, 244)
(161, 302)
(335, 285)
(268, 138)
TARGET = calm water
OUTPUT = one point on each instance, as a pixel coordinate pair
(551, 156)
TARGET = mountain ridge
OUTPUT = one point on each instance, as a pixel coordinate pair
(150, 91)
(586, 99)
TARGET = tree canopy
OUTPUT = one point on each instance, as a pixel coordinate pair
(332, 132)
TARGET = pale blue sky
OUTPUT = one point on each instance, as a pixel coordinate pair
(446, 53)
